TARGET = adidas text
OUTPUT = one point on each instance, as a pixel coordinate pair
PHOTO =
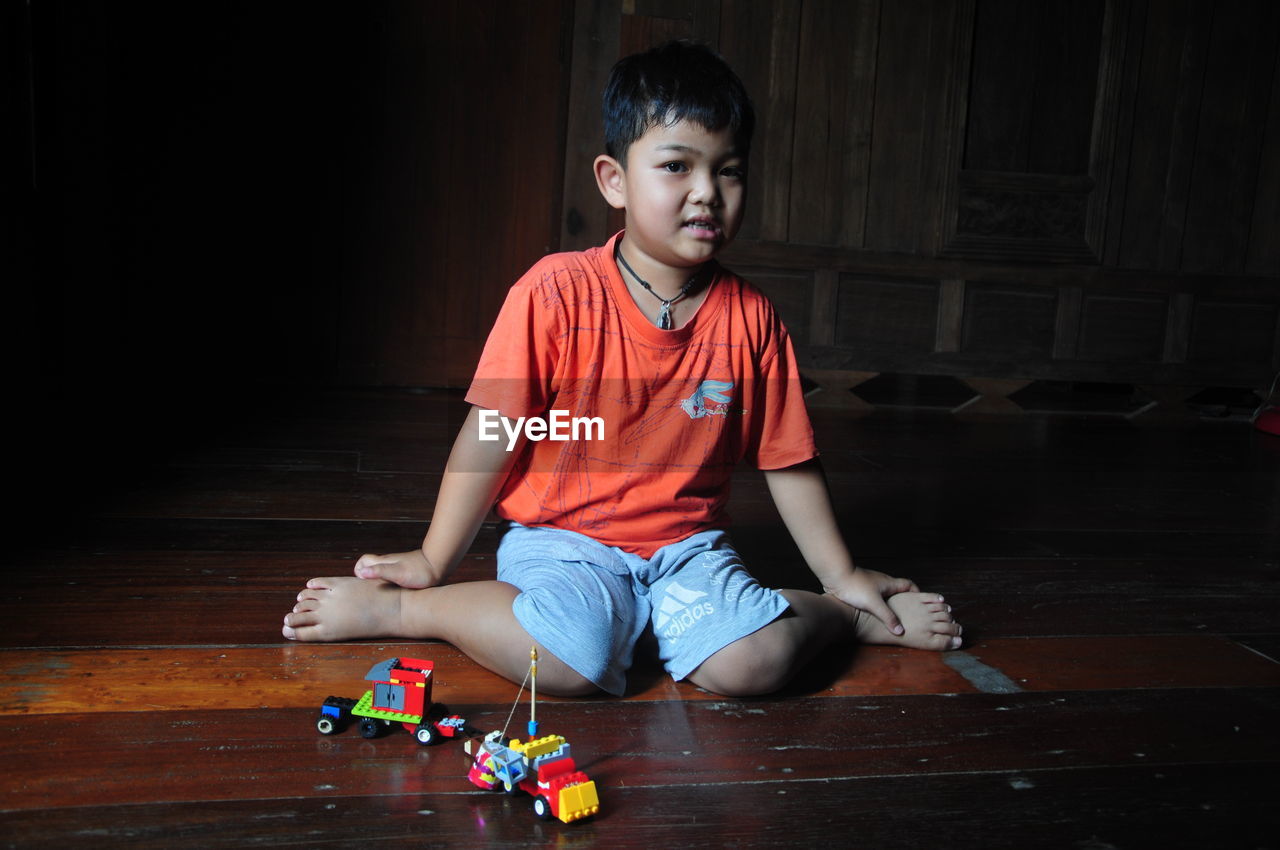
(681, 623)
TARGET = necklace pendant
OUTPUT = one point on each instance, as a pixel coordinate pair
(664, 318)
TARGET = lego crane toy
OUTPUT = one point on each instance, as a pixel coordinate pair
(540, 766)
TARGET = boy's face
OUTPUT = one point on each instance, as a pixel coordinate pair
(684, 190)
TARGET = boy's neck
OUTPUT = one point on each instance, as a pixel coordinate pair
(670, 304)
(666, 285)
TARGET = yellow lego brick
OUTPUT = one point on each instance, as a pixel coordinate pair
(537, 746)
(578, 801)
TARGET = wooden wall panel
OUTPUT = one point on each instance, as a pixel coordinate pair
(1239, 71)
(1035, 75)
(996, 129)
(834, 105)
(911, 142)
(761, 40)
(1233, 331)
(1008, 323)
(345, 198)
(1264, 247)
(1129, 328)
(887, 315)
(1039, 125)
(1171, 49)
(596, 33)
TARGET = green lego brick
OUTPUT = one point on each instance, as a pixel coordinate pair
(364, 708)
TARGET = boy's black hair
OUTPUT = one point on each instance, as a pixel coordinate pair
(679, 80)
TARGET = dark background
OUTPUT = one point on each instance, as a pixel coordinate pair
(214, 201)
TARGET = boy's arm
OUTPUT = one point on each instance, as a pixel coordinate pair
(472, 478)
(804, 502)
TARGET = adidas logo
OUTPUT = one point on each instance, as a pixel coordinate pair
(680, 609)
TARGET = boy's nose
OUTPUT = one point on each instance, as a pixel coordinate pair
(705, 190)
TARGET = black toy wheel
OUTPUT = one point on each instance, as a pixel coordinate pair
(542, 808)
(325, 725)
(426, 734)
(369, 727)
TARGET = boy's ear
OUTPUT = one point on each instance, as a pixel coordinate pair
(610, 178)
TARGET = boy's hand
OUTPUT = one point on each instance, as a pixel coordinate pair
(866, 590)
(406, 569)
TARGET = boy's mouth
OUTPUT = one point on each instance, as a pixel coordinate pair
(703, 226)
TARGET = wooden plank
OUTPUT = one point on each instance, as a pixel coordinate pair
(950, 315)
(1128, 807)
(1004, 321)
(239, 754)
(189, 678)
(870, 261)
(176, 599)
(1099, 663)
(824, 308)
(1224, 181)
(1067, 323)
(838, 45)
(53, 681)
(1127, 74)
(878, 314)
(336, 539)
(1264, 251)
(1013, 615)
(1033, 89)
(1119, 578)
(1002, 85)
(1174, 45)
(762, 43)
(1200, 805)
(585, 221)
(1104, 114)
(1132, 327)
(232, 493)
(1114, 509)
(1177, 336)
(914, 68)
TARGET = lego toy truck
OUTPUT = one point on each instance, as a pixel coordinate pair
(401, 693)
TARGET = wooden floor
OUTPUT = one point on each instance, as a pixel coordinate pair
(1119, 687)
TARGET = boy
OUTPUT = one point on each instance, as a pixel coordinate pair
(675, 369)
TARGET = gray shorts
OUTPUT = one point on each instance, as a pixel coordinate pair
(588, 603)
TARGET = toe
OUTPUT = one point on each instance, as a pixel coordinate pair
(311, 593)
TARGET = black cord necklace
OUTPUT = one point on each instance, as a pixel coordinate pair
(664, 315)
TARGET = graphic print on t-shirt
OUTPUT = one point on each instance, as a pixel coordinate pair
(710, 399)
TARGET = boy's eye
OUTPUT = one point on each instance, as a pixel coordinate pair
(675, 167)
(736, 172)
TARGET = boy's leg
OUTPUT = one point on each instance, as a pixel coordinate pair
(763, 661)
(476, 617)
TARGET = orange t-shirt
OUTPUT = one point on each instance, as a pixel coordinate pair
(673, 410)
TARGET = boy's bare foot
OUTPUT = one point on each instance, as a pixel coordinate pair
(344, 608)
(926, 618)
